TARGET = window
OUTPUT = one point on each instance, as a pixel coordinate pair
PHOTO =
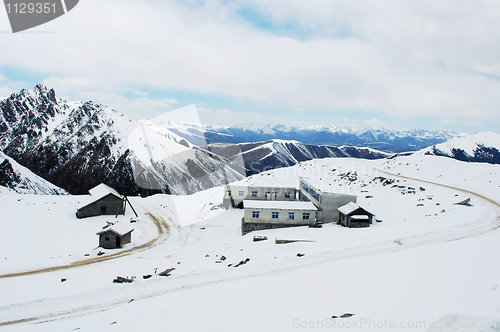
(291, 215)
(275, 215)
(254, 194)
(107, 238)
(306, 215)
(287, 195)
(241, 193)
(315, 195)
(103, 209)
(310, 191)
(255, 214)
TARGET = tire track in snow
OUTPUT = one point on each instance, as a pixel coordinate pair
(163, 233)
(489, 227)
(319, 259)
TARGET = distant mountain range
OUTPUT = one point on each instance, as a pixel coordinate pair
(390, 141)
(262, 156)
(52, 146)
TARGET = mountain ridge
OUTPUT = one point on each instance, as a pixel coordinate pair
(77, 146)
(479, 147)
(391, 141)
(262, 156)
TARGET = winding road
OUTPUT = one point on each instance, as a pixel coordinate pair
(163, 232)
(322, 258)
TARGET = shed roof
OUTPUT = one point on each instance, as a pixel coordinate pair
(102, 190)
(120, 229)
(96, 194)
(350, 208)
(278, 205)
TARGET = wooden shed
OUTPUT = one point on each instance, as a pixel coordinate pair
(115, 236)
(103, 200)
(353, 216)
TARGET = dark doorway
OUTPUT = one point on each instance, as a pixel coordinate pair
(118, 242)
(103, 209)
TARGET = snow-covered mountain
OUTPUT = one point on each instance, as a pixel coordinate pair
(21, 180)
(480, 147)
(77, 145)
(380, 139)
(262, 156)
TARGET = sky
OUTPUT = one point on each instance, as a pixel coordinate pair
(384, 64)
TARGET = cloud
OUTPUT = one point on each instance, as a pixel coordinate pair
(376, 123)
(87, 89)
(399, 58)
(450, 121)
(228, 117)
(5, 92)
(139, 93)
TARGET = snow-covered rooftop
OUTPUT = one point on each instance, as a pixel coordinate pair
(350, 207)
(96, 194)
(102, 190)
(278, 205)
(120, 229)
(323, 184)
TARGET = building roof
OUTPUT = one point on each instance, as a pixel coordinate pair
(119, 228)
(325, 188)
(96, 194)
(350, 208)
(265, 188)
(278, 205)
(102, 190)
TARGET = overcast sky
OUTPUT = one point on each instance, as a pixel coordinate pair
(394, 64)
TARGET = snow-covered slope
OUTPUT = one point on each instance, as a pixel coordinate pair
(380, 139)
(428, 266)
(78, 145)
(277, 153)
(480, 147)
(21, 180)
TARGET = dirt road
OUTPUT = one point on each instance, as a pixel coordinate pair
(163, 232)
(323, 258)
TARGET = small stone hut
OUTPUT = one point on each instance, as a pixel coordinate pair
(104, 200)
(115, 236)
(353, 216)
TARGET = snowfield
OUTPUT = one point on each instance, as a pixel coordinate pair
(428, 265)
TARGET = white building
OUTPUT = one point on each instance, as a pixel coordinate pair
(235, 195)
(260, 214)
(326, 202)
